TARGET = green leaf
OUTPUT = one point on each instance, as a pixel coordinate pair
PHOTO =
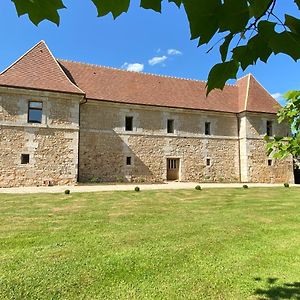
(177, 2)
(116, 7)
(39, 10)
(233, 16)
(203, 18)
(292, 23)
(298, 3)
(224, 47)
(286, 42)
(257, 48)
(151, 4)
(220, 73)
(258, 7)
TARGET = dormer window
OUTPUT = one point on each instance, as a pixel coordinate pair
(35, 112)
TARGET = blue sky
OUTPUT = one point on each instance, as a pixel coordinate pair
(140, 39)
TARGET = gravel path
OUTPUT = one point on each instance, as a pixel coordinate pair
(130, 187)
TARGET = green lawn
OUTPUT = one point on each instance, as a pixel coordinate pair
(188, 244)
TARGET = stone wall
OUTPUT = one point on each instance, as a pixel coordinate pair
(52, 146)
(256, 165)
(104, 144)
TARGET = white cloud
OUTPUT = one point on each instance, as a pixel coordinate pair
(174, 52)
(277, 96)
(157, 60)
(135, 67)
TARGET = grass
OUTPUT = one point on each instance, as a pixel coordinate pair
(187, 244)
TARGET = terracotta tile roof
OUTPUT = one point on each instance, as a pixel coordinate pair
(102, 83)
(38, 69)
(259, 99)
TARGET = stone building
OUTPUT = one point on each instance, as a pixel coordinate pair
(63, 121)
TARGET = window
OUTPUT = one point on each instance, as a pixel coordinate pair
(128, 123)
(270, 162)
(128, 160)
(24, 159)
(35, 112)
(170, 126)
(208, 162)
(269, 128)
(207, 128)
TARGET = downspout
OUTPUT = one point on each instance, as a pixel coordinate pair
(83, 101)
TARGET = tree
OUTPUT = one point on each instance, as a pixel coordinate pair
(246, 30)
(280, 146)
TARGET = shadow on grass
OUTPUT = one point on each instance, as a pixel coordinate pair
(276, 291)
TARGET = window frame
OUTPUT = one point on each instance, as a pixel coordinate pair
(207, 128)
(208, 162)
(269, 128)
(128, 161)
(40, 109)
(25, 159)
(128, 128)
(170, 126)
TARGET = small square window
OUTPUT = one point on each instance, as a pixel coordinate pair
(207, 128)
(270, 162)
(128, 160)
(208, 162)
(170, 126)
(24, 159)
(35, 112)
(128, 123)
(269, 128)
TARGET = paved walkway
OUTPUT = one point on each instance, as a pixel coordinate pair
(129, 187)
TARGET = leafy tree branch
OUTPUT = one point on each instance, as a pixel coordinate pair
(280, 147)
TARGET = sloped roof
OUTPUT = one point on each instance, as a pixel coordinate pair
(259, 99)
(102, 83)
(38, 69)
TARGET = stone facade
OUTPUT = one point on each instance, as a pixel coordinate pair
(236, 149)
(52, 146)
(93, 134)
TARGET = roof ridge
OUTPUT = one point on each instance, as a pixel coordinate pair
(22, 56)
(60, 68)
(248, 74)
(247, 91)
(141, 73)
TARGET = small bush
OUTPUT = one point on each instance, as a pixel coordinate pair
(137, 189)
(95, 180)
(286, 185)
(245, 186)
(67, 192)
(198, 188)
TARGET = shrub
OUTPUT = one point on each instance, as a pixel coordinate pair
(245, 186)
(95, 180)
(67, 192)
(286, 185)
(137, 189)
(198, 188)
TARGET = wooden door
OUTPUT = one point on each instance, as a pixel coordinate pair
(172, 168)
